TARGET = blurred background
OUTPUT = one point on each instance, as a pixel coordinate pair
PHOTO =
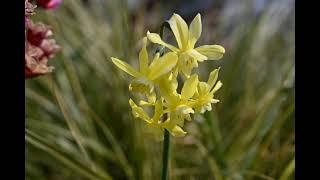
(78, 121)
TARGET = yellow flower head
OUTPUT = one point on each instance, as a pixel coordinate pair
(143, 81)
(205, 93)
(186, 38)
(157, 80)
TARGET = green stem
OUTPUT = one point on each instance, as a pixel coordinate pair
(165, 155)
(166, 142)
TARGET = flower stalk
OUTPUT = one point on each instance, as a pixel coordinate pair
(166, 134)
(165, 155)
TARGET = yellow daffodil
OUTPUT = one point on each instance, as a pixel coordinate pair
(177, 105)
(186, 38)
(154, 125)
(147, 74)
(158, 80)
(205, 93)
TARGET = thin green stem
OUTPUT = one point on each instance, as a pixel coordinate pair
(166, 142)
(165, 155)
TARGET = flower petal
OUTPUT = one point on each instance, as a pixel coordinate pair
(213, 52)
(189, 87)
(215, 101)
(168, 89)
(217, 87)
(125, 67)
(141, 85)
(177, 131)
(145, 103)
(195, 30)
(162, 65)
(203, 88)
(180, 30)
(138, 112)
(143, 57)
(213, 77)
(196, 55)
(155, 38)
(158, 110)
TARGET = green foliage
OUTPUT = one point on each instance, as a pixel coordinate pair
(79, 123)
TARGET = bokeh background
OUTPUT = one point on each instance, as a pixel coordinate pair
(78, 121)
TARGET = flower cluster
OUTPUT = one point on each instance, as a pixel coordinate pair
(39, 45)
(157, 79)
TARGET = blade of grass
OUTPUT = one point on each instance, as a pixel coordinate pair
(76, 86)
(71, 124)
(57, 131)
(41, 143)
(288, 170)
(212, 121)
(214, 168)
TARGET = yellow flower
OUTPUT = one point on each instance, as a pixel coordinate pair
(154, 125)
(148, 73)
(178, 105)
(205, 93)
(186, 38)
(158, 80)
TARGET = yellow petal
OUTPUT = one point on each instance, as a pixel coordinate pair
(215, 101)
(177, 131)
(213, 77)
(125, 67)
(213, 52)
(162, 65)
(138, 112)
(152, 97)
(158, 110)
(196, 55)
(141, 85)
(217, 87)
(195, 30)
(203, 88)
(155, 38)
(145, 103)
(180, 30)
(143, 57)
(189, 87)
(168, 89)
(186, 63)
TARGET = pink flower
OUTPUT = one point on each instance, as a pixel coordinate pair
(39, 48)
(35, 62)
(49, 4)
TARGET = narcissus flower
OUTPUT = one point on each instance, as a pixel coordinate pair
(148, 73)
(157, 80)
(186, 38)
(203, 98)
